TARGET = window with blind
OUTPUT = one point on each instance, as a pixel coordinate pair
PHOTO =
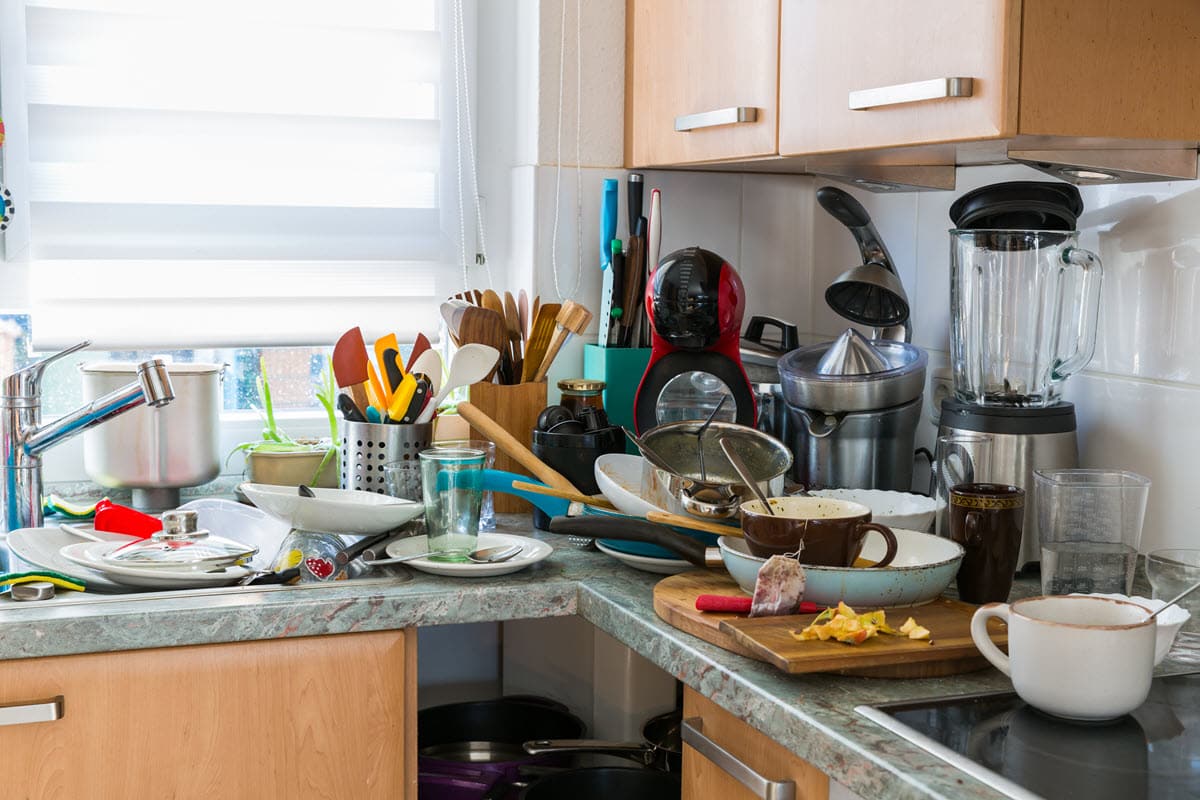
(237, 172)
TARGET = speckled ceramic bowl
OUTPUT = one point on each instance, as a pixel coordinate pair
(924, 566)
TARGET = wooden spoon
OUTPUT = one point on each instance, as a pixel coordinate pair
(512, 321)
(572, 318)
(539, 340)
(523, 314)
(490, 429)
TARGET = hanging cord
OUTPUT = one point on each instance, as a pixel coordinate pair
(462, 107)
(562, 45)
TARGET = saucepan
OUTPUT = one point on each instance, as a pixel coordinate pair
(686, 472)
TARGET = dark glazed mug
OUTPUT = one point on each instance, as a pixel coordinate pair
(986, 519)
(826, 532)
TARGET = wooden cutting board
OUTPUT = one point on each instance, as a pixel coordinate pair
(769, 639)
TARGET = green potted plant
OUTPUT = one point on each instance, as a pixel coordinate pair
(279, 459)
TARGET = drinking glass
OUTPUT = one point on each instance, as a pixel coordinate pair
(1171, 571)
(1090, 524)
(961, 457)
(452, 486)
(487, 514)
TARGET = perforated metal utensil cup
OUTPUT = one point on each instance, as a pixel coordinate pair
(367, 446)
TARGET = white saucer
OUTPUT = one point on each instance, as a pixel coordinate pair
(39, 547)
(659, 566)
(90, 555)
(533, 551)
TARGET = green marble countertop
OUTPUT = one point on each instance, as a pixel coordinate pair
(813, 716)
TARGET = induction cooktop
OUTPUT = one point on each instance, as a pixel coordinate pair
(997, 738)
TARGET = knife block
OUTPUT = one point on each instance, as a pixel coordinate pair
(515, 408)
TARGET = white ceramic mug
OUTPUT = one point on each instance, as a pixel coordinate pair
(1078, 657)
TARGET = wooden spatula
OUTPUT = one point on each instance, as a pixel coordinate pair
(523, 315)
(572, 318)
(484, 326)
(350, 366)
(512, 321)
(539, 340)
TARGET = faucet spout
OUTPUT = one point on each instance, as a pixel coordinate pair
(24, 440)
(152, 388)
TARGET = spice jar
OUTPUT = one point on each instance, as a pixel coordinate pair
(580, 393)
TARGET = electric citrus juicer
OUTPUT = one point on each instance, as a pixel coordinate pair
(1024, 299)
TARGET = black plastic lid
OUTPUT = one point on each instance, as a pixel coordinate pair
(1019, 205)
(1058, 418)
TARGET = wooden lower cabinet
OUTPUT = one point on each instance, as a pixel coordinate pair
(320, 717)
(714, 777)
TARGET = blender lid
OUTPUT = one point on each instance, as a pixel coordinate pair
(901, 380)
(1019, 205)
(851, 354)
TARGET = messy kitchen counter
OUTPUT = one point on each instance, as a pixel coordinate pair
(812, 716)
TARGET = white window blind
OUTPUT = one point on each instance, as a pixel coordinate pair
(233, 172)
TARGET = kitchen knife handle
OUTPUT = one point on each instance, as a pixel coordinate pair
(631, 529)
(635, 200)
(693, 736)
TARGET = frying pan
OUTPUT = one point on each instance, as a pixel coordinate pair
(606, 783)
(634, 529)
(662, 748)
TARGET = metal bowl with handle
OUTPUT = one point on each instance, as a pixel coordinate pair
(686, 473)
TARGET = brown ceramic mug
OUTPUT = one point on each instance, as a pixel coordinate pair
(986, 519)
(826, 532)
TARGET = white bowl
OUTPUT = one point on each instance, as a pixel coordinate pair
(333, 510)
(914, 512)
(924, 566)
(619, 477)
(1169, 622)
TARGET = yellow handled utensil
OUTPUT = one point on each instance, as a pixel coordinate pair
(402, 397)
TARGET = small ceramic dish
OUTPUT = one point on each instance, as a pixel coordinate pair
(914, 512)
(1169, 622)
(333, 510)
(924, 566)
(619, 477)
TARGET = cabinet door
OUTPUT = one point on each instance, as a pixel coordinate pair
(749, 764)
(689, 57)
(322, 717)
(884, 58)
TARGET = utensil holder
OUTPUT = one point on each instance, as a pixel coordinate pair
(367, 446)
(621, 369)
(515, 408)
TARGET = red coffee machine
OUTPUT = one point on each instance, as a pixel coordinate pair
(695, 301)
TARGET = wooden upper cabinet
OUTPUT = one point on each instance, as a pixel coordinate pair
(883, 57)
(726, 759)
(688, 57)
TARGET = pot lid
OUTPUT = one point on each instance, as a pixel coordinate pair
(181, 545)
(1019, 205)
(130, 368)
(806, 386)
(677, 449)
(851, 354)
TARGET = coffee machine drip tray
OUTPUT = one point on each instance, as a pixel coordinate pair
(1001, 741)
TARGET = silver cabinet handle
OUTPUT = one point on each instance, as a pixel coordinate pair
(727, 761)
(711, 119)
(45, 711)
(935, 89)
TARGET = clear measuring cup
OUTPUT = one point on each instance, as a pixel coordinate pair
(1090, 523)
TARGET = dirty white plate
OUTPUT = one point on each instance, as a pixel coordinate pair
(532, 551)
(91, 555)
(659, 566)
(619, 477)
(39, 548)
(333, 510)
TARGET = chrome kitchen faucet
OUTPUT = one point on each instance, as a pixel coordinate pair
(24, 439)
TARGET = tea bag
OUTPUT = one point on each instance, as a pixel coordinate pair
(779, 588)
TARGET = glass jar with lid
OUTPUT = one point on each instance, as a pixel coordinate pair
(580, 393)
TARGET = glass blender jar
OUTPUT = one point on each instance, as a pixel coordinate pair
(1023, 309)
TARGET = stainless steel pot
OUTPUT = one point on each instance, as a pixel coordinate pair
(674, 479)
(155, 451)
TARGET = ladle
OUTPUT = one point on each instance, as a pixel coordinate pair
(744, 473)
(1175, 600)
